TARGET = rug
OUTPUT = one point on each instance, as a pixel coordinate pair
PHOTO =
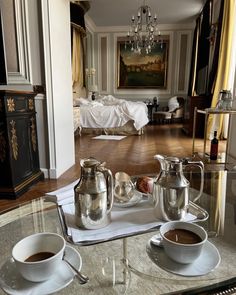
(109, 137)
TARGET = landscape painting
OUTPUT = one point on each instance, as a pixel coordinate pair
(141, 70)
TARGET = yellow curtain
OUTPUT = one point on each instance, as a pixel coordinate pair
(77, 60)
(224, 67)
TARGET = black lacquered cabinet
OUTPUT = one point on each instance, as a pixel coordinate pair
(19, 158)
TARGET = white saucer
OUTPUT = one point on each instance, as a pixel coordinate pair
(205, 263)
(136, 198)
(13, 283)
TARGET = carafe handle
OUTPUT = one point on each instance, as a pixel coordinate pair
(201, 167)
(110, 186)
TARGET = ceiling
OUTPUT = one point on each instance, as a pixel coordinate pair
(119, 12)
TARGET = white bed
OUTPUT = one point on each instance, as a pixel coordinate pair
(110, 115)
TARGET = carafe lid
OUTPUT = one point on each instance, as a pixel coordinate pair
(173, 164)
(89, 163)
(169, 163)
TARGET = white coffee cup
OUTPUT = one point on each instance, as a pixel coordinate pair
(182, 252)
(40, 270)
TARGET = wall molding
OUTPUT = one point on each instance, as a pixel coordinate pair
(116, 29)
(188, 33)
(49, 92)
(22, 32)
(108, 67)
(174, 32)
(58, 73)
(90, 60)
(90, 25)
(141, 92)
(46, 172)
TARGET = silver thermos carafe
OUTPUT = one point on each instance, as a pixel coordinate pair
(171, 195)
(93, 195)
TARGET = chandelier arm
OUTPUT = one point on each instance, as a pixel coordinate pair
(142, 35)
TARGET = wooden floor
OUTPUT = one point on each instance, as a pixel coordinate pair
(133, 154)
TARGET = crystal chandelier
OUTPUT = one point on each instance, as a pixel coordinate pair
(143, 33)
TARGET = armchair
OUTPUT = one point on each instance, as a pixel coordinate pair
(173, 113)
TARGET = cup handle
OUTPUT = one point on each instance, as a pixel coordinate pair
(157, 241)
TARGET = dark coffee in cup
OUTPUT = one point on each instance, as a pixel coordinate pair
(39, 256)
(183, 236)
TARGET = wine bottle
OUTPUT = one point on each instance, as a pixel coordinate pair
(214, 147)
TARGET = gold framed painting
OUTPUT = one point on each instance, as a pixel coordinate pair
(141, 70)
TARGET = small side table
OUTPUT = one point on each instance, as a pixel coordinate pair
(150, 107)
(207, 112)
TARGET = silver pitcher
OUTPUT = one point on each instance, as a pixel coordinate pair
(225, 100)
(93, 195)
(171, 195)
(123, 188)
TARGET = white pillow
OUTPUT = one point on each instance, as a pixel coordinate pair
(173, 103)
(110, 100)
(96, 103)
(81, 101)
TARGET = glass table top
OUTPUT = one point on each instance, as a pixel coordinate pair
(131, 265)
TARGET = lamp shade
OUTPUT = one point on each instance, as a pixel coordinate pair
(93, 88)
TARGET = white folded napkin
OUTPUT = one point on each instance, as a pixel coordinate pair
(124, 222)
(63, 195)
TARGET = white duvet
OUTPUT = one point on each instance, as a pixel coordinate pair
(109, 112)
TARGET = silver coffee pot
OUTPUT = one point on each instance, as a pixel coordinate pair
(93, 195)
(225, 100)
(171, 194)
